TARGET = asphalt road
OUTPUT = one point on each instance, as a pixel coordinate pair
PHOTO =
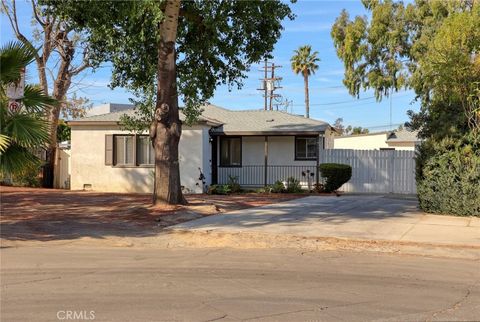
(61, 283)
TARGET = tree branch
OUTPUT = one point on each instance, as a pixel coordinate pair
(79, 69)
(11, 13)
(35, 14)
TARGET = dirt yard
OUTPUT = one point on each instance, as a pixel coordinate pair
(29, 214)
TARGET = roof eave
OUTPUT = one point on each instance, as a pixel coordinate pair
(263, 133)
(100, 123)
(84, 123)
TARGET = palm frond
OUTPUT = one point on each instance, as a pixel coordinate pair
(4, 142)
(26, 130)
(304, 61)
(13, 57)
(16, 160)
(35, 101)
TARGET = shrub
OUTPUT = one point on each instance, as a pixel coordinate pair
(29, 177)
(293, 185)
(219, 189)
(233, 184)
(336, 175)
(277, 187)
(448, 176)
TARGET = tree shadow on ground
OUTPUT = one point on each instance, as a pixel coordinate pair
(49, 214)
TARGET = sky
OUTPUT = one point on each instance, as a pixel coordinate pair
(329, 99)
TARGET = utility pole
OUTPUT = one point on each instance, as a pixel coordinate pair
(265, 84)
(270, 84)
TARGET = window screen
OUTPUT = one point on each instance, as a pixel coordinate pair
(145, 151)
(124, 150)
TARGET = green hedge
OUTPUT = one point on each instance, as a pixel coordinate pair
(448, 176)
(336, 175)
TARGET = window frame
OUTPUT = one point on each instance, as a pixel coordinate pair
(135, 163)
(297, 158)
(221, 164)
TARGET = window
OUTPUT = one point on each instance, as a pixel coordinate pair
(129, 150)
(145, 151)
(230, 151)
(123, 147)
(305, 148)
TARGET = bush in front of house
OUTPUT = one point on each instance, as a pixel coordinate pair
(448, 176)
(219, 189)
(29, 177)
(293, 185)
(233, 184)
(336, 174)
(277, 187)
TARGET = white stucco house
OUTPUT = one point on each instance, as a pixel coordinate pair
(257, 147)
(387, 140)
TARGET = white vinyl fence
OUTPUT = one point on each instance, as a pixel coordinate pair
(388, 171)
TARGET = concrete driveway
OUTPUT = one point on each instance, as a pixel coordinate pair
(354, 217)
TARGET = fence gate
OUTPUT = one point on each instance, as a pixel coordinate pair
(388, 171)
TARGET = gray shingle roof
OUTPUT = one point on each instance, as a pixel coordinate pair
(403, 136)
(252, 121)
(115, 117)
(237, 122)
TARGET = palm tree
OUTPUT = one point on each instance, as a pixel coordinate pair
(26, 130)
(305, 62)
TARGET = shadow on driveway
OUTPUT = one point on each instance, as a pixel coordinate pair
(330, 211)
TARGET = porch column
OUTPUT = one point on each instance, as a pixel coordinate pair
(266, 161)
(317, 171)
(214, 170)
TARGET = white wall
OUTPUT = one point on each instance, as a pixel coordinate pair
(361, 142)
(63, 169)
(403, 146)
(88, 161)
(108, 108)
(281, 153)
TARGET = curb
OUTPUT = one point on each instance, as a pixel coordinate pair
(246, 240)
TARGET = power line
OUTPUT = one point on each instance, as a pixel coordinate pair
(336, 103)
(352, 103)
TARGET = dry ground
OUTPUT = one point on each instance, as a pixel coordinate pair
(29, 214)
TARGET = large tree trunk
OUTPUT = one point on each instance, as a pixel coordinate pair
(307, 99)
(166, 128)
(61, 84)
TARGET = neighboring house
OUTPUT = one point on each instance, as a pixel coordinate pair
(256, 147)
(388, 140)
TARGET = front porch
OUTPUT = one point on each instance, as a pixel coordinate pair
(259, 175)
(257, 161)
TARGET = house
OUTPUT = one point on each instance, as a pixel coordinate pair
(387, 140)
(256, 147)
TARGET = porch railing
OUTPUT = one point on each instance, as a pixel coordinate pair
(254, 175)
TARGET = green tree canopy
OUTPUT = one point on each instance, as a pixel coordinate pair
(217, 41)
(431, 47)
